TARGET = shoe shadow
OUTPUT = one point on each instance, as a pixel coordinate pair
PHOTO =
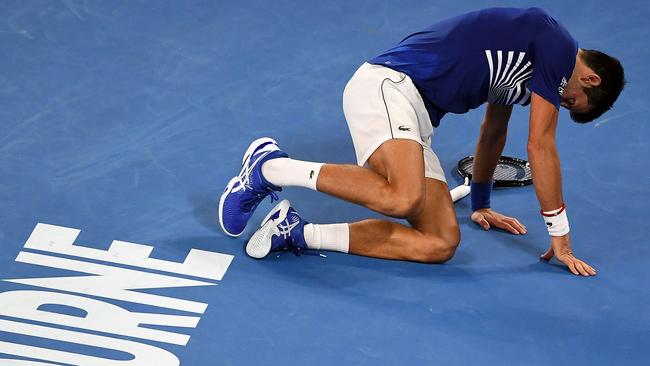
(205, 206)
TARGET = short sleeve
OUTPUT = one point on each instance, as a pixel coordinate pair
(554, 56)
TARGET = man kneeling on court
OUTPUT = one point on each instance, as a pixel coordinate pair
(393, 104)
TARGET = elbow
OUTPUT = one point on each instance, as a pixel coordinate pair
(532, 148)
(537, 146)
(541, 152)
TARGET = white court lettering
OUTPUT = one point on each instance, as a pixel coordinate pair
(109, 282)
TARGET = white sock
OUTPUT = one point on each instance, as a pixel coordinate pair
(332, 237)
(284, 172)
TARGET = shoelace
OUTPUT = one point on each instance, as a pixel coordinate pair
(295, 249)
(256, 195)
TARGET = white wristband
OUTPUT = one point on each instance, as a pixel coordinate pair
(557, 222)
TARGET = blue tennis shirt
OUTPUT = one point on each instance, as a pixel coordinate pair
(497, 55)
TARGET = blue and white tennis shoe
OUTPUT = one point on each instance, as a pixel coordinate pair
(282, 231)
(245, 191)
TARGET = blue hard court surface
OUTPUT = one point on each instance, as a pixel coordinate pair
(126, 119)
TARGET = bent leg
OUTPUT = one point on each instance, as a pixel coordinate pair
(394, 185)
(398, 179)
(434, 237)
(397, 195)
(398, 191)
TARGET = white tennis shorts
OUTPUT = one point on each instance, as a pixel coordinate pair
(381, 104)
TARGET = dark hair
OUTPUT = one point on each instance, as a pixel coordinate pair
(601, 98)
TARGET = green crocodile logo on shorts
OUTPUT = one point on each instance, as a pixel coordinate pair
(402, 128)
(311, 175)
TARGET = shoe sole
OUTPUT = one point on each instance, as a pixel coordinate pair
(259, 245)
(247, 155)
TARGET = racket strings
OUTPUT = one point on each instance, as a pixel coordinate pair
(509, 171)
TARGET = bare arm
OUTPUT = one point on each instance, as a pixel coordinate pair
(545, 166)
(542, 153)
(492, 139)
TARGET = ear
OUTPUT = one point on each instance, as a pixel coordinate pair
(591, 80)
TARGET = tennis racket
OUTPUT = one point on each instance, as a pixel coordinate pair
(509, 172)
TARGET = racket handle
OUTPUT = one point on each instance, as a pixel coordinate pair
(461, 191)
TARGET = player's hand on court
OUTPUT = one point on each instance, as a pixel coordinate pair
(486, 218)
(561, 249)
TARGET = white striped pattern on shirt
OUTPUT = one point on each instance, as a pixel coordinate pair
(507, 81)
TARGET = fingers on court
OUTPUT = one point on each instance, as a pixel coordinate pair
(509, 227)
(480, 220)
(581, 268)
(572, 267)
(521, 227)
(548, 255)
(576, 266)
(510, 224)
(484, 223)
(593, 270)
(589, 269)
(514, 223)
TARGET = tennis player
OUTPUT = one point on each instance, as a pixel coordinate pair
(394, 102)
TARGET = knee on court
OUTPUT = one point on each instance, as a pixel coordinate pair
(439, 249)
